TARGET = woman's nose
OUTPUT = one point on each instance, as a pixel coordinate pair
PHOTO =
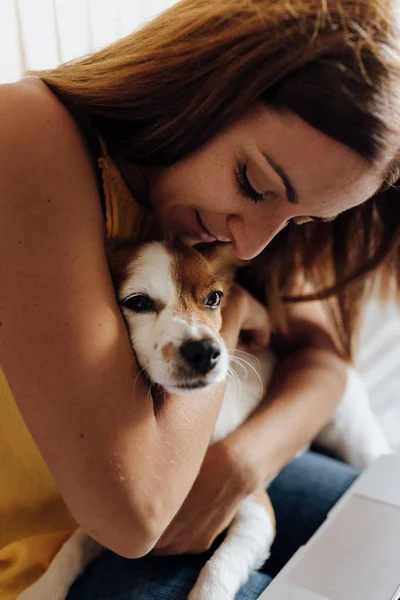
(249, 237)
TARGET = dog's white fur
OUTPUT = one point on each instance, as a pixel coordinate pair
(353, 434)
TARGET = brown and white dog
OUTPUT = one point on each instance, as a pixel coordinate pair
(171, 300)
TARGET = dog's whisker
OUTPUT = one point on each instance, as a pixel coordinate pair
(236, 351)
(149, 394)
(239, 361)
(136, 379)
(232, 372)
(235, 376)
(235, 379)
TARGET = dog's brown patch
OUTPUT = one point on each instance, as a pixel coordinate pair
(195, 281)
(224, 263)
(168, 352)
(119, 256)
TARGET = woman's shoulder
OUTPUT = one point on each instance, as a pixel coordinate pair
(43, 155)
(29, 107)
(40, 138)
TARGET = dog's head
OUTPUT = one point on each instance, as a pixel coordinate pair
(171, 299)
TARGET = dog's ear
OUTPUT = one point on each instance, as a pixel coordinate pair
(119, 254)
(223, 260)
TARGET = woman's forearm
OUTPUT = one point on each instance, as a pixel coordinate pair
(305, 391)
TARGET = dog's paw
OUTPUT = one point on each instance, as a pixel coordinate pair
(210, 588)
(200, 593)
(363, 457)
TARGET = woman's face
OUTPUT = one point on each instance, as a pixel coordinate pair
(251, 180)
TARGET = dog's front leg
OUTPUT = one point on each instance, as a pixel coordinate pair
(71, 560)
(354, 433)
(245, 548)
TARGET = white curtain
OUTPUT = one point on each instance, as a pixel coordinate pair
(37, 34)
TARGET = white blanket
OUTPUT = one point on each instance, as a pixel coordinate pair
(378, 362)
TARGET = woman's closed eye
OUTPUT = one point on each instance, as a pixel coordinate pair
(248, 191)
(245, 186)
(303, 220)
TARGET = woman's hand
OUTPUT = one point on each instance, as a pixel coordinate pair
(210, 506)
(244, 316)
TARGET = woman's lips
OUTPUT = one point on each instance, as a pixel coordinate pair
(200, 230)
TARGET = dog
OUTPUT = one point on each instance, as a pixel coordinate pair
(171, 298)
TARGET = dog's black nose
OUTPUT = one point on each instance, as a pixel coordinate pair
(202, 355)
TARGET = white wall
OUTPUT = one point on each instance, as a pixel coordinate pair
(43, 33)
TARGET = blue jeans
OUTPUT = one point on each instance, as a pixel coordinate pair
(302, 495)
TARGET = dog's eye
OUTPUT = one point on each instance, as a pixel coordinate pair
(139, 303)
(214, 299)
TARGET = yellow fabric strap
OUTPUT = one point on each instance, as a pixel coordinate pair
(126, 219)
(24, 561)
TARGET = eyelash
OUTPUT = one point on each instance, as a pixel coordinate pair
(245, 186)
(293, 223)
(247, 190)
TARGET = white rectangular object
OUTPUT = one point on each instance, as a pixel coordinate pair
(355, 554)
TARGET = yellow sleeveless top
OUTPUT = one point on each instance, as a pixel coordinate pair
(34, 521)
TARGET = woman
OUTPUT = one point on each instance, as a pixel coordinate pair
(235, 120)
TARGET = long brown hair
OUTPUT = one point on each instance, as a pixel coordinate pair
(162, 92)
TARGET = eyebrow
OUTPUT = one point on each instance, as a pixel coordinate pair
(290, 191)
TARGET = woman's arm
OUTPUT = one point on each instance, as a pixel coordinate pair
(123, 469)
(303, 397)
(307, 386)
